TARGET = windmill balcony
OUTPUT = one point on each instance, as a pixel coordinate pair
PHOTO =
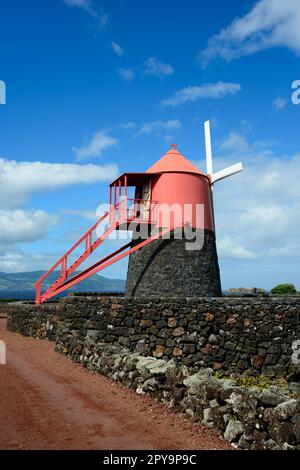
(131, 212)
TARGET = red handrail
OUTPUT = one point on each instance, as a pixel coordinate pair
(117, 214)
(76, 245)
(112, 258)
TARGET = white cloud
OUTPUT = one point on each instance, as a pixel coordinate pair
(117, 48)
(88, 6)
(15, 260)
(270, 23)
(127, 125)
(100, 142)
(156, 68)
(85, 214)
(18, 180)
(235, 142)
(19, 226)
(246, 126)
(279, 103)
(103, 20)
(213, 91)
(10, 260)
(229, 249)
(85, 4)
(126, 74)
(152, 67)
(158, 126)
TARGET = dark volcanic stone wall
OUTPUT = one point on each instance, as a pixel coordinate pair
(230, 335)
(165, 267)
(38, 321)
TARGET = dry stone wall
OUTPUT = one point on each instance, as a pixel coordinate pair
(231, 335)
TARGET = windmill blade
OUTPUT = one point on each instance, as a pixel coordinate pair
(231, 170)
(209, 166)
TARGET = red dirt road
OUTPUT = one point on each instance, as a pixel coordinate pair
(48, 402)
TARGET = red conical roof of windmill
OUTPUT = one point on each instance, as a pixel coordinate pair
(174, 161)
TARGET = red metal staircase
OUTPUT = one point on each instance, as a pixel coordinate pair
(119, 216)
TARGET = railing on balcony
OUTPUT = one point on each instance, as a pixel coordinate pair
(134, 210)
(142, 210)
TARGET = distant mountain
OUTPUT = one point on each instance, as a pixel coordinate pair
(25, 281)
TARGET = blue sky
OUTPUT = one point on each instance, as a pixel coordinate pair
(96, 88)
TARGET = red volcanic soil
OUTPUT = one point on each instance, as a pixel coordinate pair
(49, 402)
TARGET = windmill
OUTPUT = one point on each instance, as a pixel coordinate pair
(157, 266)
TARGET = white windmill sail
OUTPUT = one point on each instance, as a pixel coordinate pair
(219, 175)
(229, 171)
(209, 167)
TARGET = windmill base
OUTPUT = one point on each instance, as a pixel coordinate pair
(165, 268)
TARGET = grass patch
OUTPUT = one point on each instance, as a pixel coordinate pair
(251, 381)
